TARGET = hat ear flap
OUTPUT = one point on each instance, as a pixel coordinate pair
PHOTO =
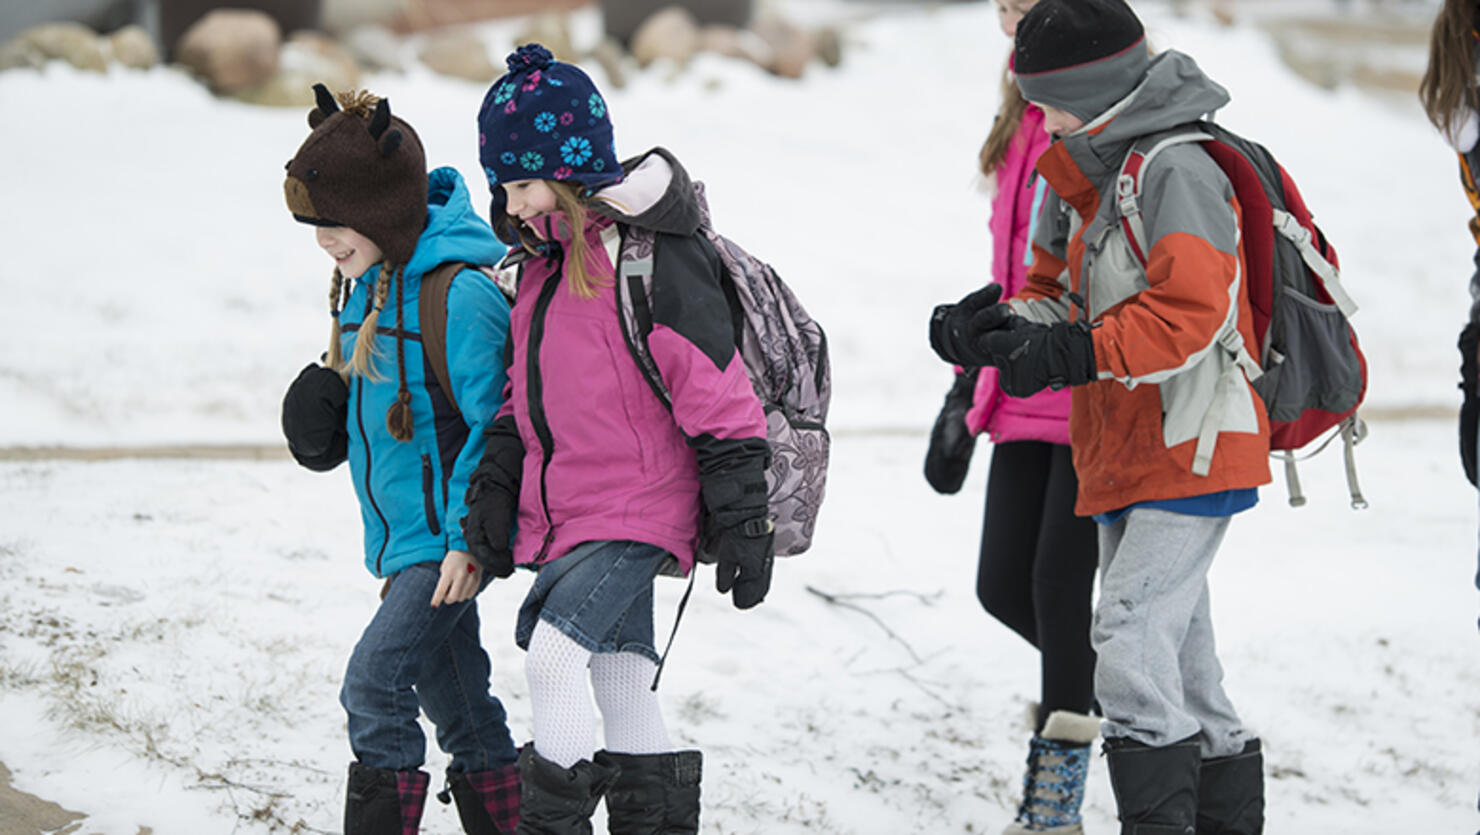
(327, 106)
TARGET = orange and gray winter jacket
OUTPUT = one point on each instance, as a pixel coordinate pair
(1167, 337)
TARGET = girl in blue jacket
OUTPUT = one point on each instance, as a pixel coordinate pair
(360, 178)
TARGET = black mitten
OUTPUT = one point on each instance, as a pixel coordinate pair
(493, 499)
(738, 533)
(1033, 357)
(949, 456)
(1469, 410)
(956, 330)
(315, 410)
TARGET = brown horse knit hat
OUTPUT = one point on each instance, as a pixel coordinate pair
(362, 168)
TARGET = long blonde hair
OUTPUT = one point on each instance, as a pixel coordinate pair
(571, 201)
(1449, 80)
(1004, 127)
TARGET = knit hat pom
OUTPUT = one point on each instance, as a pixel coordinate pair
(531, 56)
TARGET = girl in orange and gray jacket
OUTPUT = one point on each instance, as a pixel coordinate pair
(1168, 436)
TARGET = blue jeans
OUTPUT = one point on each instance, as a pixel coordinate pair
(599, 595)
(413, 657)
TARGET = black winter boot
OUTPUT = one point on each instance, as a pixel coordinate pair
(487, 801)
(559, 801)
(654, 794)
(381, 802)
(1230, 793)
(1155, 788)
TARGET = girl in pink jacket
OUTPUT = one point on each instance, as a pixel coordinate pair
(599, 482)
(1037, 560)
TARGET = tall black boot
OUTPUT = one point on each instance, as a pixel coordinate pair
(559, 801)
(1230, 794)
(1155, 788)
(381, 802)
(654, 794)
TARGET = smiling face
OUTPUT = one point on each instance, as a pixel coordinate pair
(528, 199)
(352, 252)
(1009, 12)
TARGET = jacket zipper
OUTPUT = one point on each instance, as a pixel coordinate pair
(369, 493)
(534, 391)
(429, 497)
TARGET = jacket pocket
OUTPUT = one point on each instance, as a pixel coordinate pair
(429, 494)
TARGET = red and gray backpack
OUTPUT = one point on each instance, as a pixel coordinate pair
(785, 356)
(1310, 373)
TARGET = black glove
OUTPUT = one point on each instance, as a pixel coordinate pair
(1469, 410)
(956, 330)
(315, 410)
(738, 534)
(493, 499)
(1032, 357)
(951, 445)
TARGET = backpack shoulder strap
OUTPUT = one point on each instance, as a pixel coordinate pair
(1129, 184)
(631, 253)
(432, 316)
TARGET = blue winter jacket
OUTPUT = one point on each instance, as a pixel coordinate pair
(411, 492)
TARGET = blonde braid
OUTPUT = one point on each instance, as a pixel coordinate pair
(361, 362)
(336, 354)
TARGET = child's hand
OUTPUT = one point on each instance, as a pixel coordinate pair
(461, 577)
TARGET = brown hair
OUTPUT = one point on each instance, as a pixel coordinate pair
(575, 205)
(1004, 127)
(1449, 80)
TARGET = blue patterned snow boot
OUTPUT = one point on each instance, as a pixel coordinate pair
(1053, 786)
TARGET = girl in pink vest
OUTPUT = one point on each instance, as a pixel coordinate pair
(1038, 560)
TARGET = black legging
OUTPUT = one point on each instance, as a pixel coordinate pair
(1038, 563)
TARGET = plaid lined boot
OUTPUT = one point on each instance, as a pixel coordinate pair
(487, 801)
(382, 802)
(1053, 786)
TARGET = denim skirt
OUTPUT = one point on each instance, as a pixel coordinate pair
(599, 594)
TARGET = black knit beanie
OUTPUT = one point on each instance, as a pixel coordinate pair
(1081, 56)
(362, 168)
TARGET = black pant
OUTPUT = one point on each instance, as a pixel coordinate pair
(1038, 563)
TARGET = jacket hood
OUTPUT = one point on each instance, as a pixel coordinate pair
(656, 194)
(1174, 92)
(453, 232)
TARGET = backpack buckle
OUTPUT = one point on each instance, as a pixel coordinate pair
(756, 528)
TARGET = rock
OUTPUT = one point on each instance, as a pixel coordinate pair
(551, 29)
(71, 42)
(375, 48)
(234, 50)
(736, 43)
(793, 46)
(308, 58)
(829, 44)
(608, 55)
(132, 47)
(671, 33)
(347, 15)
(622, 18)
(460, 55)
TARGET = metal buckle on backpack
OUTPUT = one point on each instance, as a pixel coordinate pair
(757, 527)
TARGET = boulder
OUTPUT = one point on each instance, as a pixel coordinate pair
(459, 54)
(233, 50)
(132, 47)
(622, 18)
(671, 33)
(71, 42)
(736, 43)
(608, 55)
(793, 46)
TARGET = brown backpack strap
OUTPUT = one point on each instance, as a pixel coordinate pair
(432, 316)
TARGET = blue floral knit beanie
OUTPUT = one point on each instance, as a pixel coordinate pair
(544, 120)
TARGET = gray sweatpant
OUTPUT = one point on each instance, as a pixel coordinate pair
(1157, 677)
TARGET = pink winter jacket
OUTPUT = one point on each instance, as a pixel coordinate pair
(621, 465)
(1044, 416)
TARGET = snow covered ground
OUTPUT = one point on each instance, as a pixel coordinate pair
(172, 633)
